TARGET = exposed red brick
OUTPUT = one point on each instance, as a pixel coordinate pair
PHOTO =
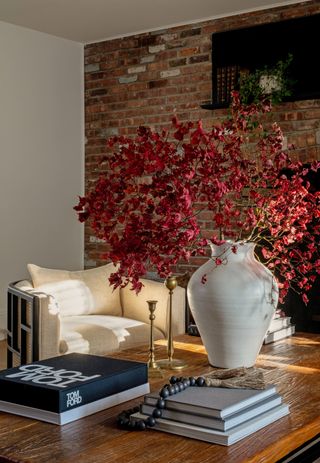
(158, 83)
(100, 91)
(189, 51)
(112, 107)
(147, 40)
(178, 62)
(191, 31)
(176, 44)
(158, 66)
(198, 59)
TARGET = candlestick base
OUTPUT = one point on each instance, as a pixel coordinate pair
(173, 364)
(154, 372)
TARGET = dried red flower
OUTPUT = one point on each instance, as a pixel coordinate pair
(146, 203)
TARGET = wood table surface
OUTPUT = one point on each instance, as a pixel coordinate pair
(293, 365)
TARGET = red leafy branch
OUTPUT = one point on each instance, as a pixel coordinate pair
(147, 201)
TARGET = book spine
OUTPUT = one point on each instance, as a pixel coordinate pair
(77, 412)
(187, 418)
(101, 388)
(224, 413)
(215, 423)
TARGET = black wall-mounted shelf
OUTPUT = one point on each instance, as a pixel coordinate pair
(264, 45)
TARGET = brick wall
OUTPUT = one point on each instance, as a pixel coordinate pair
(145, 79)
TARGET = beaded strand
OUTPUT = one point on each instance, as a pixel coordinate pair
(176, 385)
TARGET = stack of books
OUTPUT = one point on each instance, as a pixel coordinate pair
(65, 388)
(217, 415)
(280, 328)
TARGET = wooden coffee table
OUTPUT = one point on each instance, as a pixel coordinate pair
(292, 364)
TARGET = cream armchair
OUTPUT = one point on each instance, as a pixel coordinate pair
(59, 312)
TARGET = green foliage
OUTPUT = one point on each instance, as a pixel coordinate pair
(272, 83)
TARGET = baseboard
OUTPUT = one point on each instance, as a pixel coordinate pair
(3, 335)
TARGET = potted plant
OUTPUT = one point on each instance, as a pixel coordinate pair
(156, 189)
(268, 82)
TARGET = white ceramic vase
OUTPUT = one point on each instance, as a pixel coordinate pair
(234, 306)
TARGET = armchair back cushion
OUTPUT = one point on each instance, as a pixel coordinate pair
(81, 292)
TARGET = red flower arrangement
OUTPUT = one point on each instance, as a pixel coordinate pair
(147, 200)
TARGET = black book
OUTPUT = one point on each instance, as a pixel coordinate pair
(68, 387)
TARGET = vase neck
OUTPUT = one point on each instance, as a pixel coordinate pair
(231, 250)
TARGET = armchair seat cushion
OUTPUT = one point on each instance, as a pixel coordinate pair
(98, 334)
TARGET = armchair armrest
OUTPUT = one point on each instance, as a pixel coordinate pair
(135, 306)
(33, 324)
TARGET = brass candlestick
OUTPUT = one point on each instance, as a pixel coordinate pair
(170, 363)
(153, 368)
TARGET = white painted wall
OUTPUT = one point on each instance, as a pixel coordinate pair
(41, 153)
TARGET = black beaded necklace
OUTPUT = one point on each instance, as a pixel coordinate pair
(176, 385)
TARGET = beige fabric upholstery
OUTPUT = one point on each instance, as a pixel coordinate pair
(84, 331)
(99, 334)
(79, 292)
(136, 306)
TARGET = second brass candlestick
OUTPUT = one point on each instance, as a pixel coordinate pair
(170, 363)
(153, 368)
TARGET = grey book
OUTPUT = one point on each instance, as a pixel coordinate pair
(219, 437)
(217, 402)
(217, 423)
(278, 323)
(282, 333)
